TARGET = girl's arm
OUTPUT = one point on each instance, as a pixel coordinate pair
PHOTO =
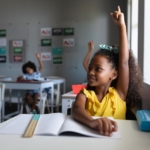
(123, 68)
(40, 62)
(104, 125)
(87, 56)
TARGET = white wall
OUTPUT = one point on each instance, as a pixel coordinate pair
(90, 18)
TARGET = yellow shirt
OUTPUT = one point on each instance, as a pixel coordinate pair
(111, 105)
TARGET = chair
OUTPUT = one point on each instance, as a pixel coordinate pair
(2, 92)
(57, 92)
(41, 104)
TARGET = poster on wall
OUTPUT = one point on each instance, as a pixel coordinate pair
(68, 42)
(17, 50)
(18, 43)
(46, 42)
(3, 42)
(45, 31)
(68, 31)
(2, 50)
(2, 33)
(57, 60)
(17, 58)
(57, 51)
(2, 59)
(57, 31)
(46, 56)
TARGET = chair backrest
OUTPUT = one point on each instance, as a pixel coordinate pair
(2, 92)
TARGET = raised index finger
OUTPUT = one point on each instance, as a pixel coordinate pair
(119, 10)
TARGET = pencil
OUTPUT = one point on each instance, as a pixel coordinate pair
(32, 125)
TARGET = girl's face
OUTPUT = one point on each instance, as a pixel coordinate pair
(29, 70)
(100, 71)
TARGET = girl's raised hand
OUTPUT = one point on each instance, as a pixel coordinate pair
(104, 125)
(118, 17)
(37, 55)
(91, 45)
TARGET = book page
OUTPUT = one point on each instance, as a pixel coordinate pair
(49, 124)
(18, 125)
(70, 125)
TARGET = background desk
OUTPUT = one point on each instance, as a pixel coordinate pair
(132, 139)
(67, 100)
(14, 85)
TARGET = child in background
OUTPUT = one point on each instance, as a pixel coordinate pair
(114, 82)
(87, 56)
(30, 73)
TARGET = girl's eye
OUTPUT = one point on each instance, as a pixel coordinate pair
(98, 69)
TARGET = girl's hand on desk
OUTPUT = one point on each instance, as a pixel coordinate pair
(104, 125)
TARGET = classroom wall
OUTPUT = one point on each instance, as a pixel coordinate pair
(146, 93)
(90, 19)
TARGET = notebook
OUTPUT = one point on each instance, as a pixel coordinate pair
(52, 125)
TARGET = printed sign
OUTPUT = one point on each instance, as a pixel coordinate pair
(57, 60)
(45, 56)
(2, 33)
(17, 58)
(45, 31)
(17, 43)
(68, 31)
(2, 50)
(68, 42)
(2, 59)
(57, 31)
(46, 42)
(57, 51)
(17, 50)
(3, 42)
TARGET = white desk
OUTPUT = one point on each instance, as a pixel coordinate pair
(67, 100)
(132, 139)
(14, 85)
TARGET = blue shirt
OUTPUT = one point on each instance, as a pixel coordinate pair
(33, 76)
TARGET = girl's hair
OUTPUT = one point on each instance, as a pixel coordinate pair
(29, 64)
(133, 98)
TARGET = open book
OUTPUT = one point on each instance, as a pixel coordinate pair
(51, 124)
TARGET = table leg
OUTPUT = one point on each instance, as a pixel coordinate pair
(52, 98)
(64, 106)
(64, 88)
(41, 111)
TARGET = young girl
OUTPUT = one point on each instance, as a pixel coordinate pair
(30, 73)
(114, 82)
(87, 56)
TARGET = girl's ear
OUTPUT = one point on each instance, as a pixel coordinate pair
(114, 75)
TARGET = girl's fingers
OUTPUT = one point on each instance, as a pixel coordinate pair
(100, 124)
(115, 128)
(119, 10)
(110, 129)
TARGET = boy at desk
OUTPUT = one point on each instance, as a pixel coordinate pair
(30, 73)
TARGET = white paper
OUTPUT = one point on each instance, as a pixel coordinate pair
(70, 125)
(46, 56)
(18, 43)
(50, 124)
(3, 42)
(17, 126)
(68, 42)
(45, 31)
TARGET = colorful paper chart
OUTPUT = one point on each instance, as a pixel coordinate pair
(57, 31)
(17, 58)
(2, 59)
(57, 51)
(17, 50)
(68, 42)
(57, 60)
(45, 56)
(2, 50)
(17, 43)
(68, 31)
(2, 33)
(46, 42)
(45, 31)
